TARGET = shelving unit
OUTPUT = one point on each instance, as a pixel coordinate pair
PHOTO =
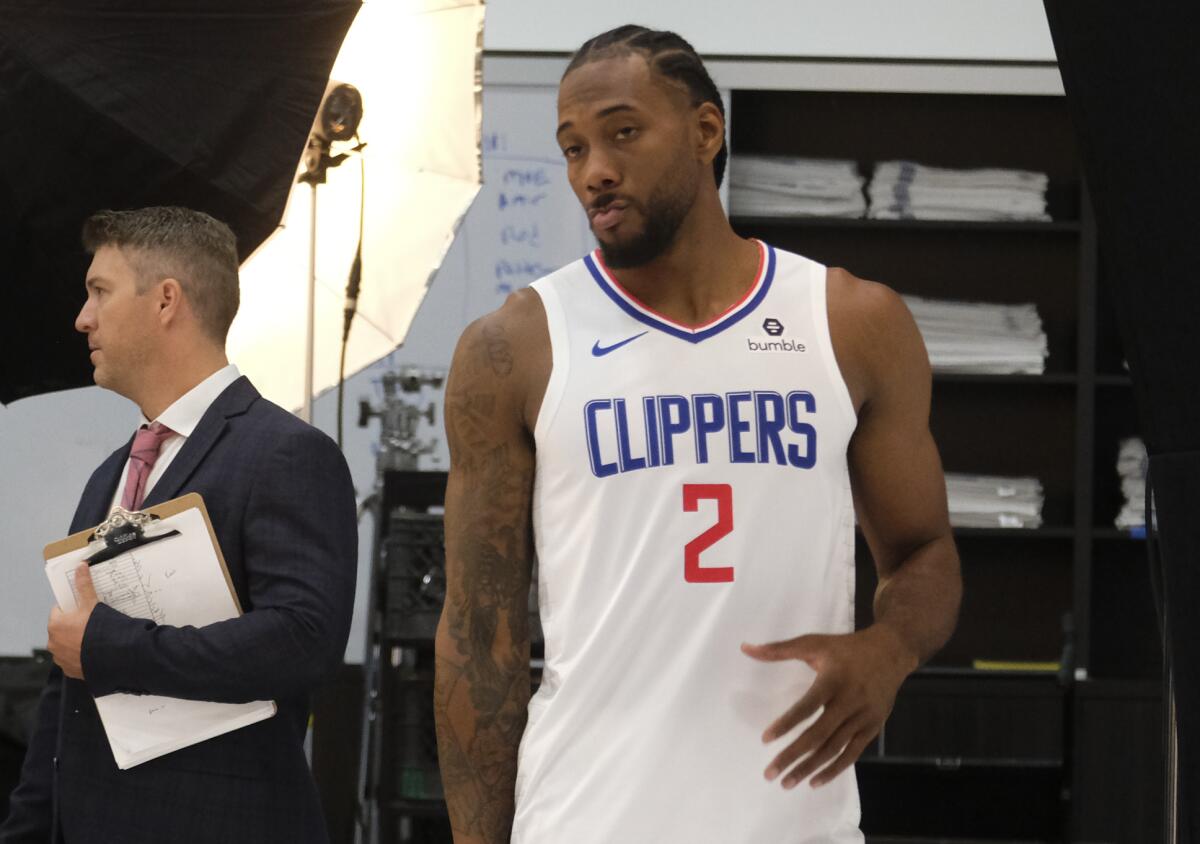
(1076, 588)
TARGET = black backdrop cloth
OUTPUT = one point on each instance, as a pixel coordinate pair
(128, 103)
(1131, 73)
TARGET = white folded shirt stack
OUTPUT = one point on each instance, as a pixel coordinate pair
(783, 186)
(905, 190)
(980, 337)
(989, 501)
(1132, 463)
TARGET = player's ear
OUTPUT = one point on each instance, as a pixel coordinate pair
(711, 131)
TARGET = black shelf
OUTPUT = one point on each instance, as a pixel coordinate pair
(864, 224)
(924, 839)
(963, 672)
(1114, 534)
(1052, 532)
(1015, 379)
(1112, 380)
(1015, 533)
(954, 764)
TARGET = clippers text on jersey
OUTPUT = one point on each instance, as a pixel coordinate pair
(749, 426)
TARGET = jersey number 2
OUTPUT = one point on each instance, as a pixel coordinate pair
(693, 494)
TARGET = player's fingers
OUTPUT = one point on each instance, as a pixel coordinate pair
(829, 749)
(805, 743)
(811, 739)
(849, 756)
(816, 697)
(801, 647)
(84, 586)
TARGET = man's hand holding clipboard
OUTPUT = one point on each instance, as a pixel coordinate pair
(66, 628)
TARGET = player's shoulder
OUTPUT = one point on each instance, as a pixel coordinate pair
(875, 337)
(520, 320)
(505, 353)
(871, 302)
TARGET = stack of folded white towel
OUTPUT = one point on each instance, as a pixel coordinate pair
(978, 337)
(1132, 463)
(780, 186)
(905, 190)
(989, 501)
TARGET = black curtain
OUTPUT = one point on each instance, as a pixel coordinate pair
(129, 103)
(1131, 73)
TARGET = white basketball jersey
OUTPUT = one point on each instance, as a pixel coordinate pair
(691, 494)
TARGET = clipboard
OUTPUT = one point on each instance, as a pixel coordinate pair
(163, 564)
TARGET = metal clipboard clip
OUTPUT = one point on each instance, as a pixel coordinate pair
(123, 531)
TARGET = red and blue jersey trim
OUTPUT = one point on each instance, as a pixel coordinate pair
(627, 302)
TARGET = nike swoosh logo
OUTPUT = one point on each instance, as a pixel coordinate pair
(600, 351)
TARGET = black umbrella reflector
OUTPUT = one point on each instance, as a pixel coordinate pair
(127, 104)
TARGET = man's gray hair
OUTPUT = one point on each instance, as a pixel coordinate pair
(197, 250)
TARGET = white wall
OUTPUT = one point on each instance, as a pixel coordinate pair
(992, 30)
(49, 446)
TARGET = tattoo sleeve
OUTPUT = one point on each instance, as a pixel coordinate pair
(482, 677)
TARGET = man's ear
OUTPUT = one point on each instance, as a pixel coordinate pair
(170, 300)
(711, 125)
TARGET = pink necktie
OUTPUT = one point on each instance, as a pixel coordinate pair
(142, 457)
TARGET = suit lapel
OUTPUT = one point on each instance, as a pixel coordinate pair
(101, 488)
(234, 401)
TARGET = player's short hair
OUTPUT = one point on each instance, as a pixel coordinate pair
(669, 55)
(197, 250)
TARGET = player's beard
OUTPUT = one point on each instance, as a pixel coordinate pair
(663, 213)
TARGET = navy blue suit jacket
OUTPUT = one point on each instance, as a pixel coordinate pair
(279, 495)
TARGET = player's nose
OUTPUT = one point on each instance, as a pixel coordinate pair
(600, 172)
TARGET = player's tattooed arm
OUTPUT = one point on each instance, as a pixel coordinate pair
(482, 676)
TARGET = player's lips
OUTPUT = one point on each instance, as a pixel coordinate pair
(608, 215)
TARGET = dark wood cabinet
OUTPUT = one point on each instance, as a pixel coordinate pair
(1118, 762)
(974, 755)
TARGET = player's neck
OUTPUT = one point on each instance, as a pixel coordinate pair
(707, 269)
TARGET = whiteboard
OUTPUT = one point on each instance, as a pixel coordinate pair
(526, 221)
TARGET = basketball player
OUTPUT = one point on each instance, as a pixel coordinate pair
(681, 426)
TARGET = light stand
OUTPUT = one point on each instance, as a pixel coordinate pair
(337, 120)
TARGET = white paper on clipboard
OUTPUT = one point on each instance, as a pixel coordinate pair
(179, 581)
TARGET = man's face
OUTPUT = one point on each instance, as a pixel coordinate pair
(629, 142)
(119, 322)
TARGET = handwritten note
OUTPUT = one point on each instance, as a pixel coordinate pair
(526, 222)
(128, 586)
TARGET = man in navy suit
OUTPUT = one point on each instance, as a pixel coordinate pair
(162, 290)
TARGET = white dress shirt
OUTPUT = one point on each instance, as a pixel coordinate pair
(182, 417)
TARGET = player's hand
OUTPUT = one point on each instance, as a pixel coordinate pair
(858, 676)
(66, 628)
